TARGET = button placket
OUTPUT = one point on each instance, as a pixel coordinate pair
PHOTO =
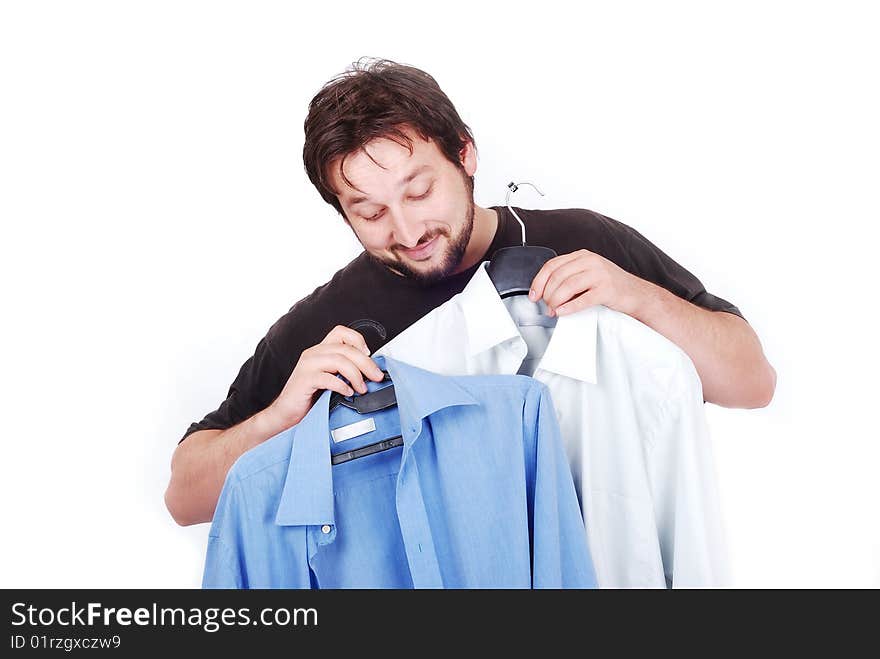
(323, 535)
(414, 526)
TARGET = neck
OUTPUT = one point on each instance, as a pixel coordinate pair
(485, 226)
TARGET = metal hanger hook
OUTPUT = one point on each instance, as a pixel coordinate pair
(513, 187)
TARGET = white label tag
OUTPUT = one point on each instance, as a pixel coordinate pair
(353, 430)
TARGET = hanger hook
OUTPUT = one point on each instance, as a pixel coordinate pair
(513, 187)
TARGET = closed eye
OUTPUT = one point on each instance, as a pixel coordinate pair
(424, 194)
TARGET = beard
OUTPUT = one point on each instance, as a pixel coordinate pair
(449, 261)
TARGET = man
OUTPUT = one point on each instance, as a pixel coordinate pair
(386, 148)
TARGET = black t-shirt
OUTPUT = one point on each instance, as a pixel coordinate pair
(368, 297)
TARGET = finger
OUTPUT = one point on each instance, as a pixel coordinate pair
(330, 362)
(348, 336)
(581, 302)
(536, 290)
(333, 383)
(577, 283)
(364, 362)
(548, 271)
(563, 276)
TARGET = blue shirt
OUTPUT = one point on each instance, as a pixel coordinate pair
(480, 495)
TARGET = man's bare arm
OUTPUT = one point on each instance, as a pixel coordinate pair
(201, 461)
(723, 347)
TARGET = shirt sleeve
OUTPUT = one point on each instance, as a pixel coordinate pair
(647, 261)
(561, 557)
(259, 381)
(220, 567)
(222, 559)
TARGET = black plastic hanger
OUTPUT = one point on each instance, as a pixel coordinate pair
(512, 269)
(372, 401)
(367, 403)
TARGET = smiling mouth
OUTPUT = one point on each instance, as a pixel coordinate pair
(422, 252)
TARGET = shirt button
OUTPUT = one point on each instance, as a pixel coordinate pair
(325, 528)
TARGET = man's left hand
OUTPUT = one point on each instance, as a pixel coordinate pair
(572, 282)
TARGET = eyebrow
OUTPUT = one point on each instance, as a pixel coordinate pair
(416, 172)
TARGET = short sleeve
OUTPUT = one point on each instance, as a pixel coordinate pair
(223, 565)
(647, 261)
(221, 569)
(258, 383)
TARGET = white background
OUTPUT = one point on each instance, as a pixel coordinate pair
(156, 219)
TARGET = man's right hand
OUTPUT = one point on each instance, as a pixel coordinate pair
(342, 351)
(200, 462)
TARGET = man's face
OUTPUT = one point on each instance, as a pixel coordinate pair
(413, 212)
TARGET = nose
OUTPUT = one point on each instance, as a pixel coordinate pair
(403, 232)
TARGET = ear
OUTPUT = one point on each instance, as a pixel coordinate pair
(468, 157)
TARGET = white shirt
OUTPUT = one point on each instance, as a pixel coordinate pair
(630, 408)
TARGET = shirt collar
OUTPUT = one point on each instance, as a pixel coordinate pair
(572, 348)
(307, 496)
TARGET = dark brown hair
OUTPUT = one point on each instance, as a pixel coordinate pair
(377, 98)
